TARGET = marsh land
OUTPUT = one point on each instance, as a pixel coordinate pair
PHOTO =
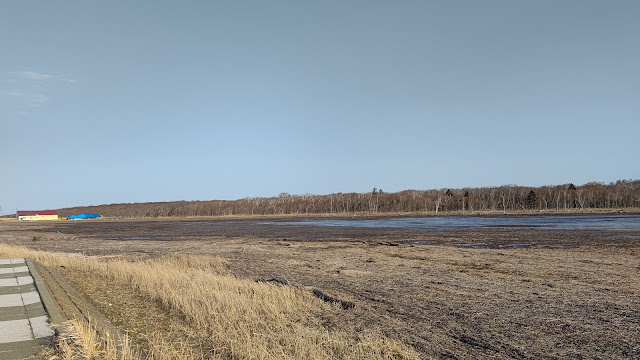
(500, 290)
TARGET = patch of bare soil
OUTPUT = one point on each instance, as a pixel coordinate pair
(516, 293)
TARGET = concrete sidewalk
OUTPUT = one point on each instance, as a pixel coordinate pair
(24, 324)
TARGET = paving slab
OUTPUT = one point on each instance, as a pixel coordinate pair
(18, 289)
(14, 270)
(12, 261)
(24, 324)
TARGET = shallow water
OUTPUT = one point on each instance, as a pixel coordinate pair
(589, 222)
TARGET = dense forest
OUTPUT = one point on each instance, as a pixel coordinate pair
(507, 198)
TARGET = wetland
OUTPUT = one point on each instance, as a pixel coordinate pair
(449, 287)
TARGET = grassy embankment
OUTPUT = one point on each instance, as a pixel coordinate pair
(208, 313)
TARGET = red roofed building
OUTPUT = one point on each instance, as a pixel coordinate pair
(37, 215)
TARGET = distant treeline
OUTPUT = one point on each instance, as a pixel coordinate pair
(620, 194)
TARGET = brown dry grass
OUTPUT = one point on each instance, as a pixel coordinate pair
(82, 342)
(569, 294)
(233, 318)
(477, 303)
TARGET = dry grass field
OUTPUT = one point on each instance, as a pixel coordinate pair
(202, 312)
(565, 294)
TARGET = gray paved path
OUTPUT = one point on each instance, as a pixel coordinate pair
(24, 325)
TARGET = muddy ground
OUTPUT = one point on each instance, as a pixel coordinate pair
(506, 292)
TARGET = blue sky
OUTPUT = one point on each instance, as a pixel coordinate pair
(121, 101)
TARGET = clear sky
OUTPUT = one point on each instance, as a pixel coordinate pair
(135, 101)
